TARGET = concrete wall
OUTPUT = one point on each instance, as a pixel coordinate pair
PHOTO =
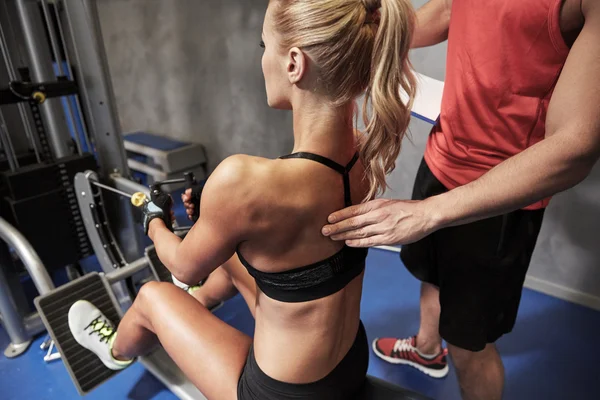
(191, 70)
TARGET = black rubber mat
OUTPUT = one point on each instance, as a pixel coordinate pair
(85, 368)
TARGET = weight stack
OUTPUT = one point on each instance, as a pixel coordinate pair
(40, 201)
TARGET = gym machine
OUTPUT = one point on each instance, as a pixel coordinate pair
(59, 181)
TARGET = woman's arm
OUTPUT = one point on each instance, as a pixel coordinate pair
(433, 22)
(222, 225)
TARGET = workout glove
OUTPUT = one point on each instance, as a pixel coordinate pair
(159, 207)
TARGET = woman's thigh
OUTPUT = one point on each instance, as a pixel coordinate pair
(210, 353)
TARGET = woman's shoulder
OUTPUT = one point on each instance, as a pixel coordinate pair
(241, 178)
(241, 169)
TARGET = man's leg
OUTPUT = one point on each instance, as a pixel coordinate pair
(423, 351)
(428, 340)
(480, 374)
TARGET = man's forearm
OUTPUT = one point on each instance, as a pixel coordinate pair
(551, 166)
(433, 21)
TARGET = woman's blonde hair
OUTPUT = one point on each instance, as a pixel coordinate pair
(359, 46)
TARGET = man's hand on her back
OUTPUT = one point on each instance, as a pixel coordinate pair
(383, 222)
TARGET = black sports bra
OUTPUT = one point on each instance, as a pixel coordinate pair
(322, 278)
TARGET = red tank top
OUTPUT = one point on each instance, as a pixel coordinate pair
(504, 58)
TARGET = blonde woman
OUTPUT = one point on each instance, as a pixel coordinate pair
(259, 230)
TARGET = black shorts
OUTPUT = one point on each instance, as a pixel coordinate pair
(344, 382)
(479, 269)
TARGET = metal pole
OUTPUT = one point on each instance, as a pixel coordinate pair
(100, 111)
(9, 151)
(111, 189)
(129, 186)
(58, 60)
(127, 271)
(42, 71)
(52, 36)
(28, 256)
(10, 68)
(33, 324)
(95, 85)
(61, 34)
(12, 321)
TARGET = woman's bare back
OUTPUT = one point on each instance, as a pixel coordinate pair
(312, 336)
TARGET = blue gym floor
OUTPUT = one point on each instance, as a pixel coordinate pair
(553, 352)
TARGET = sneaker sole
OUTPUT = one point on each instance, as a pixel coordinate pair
(434, 373)
(108, 364)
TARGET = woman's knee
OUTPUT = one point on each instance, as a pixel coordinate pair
(150, 292)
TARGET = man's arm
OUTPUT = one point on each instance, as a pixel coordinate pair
(563, 159)
(433, 21)
(214, 237)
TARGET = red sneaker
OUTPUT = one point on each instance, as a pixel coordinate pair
(404, 351)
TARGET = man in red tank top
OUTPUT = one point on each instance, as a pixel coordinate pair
(520, 121)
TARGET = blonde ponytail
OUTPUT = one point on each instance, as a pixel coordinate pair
(386, 115)
(356, 49)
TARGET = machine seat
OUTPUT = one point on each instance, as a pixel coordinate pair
(377, 389)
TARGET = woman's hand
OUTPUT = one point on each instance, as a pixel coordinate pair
(188, 203)
(191, 200)
(160, 207)
(382, 222)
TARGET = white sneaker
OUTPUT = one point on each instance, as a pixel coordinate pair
(179, 284)
(92, 330)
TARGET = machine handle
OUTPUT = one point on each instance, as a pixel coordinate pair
(191, 183)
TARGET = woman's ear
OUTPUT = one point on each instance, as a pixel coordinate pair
(297, 64)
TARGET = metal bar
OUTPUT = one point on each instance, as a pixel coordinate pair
(58, 60)
(29, 131)
(12, 75)
(99, 107)
(110, 189)
(11, 318)
(105, 248)
(18, 92)
(52, 36)
(70, 76)
(95, 85)
(42, 71)
(128, 185)
(127, 271)
(9, 151)
(171, 181)
(33, 324)
(28, 256)
(74, 125)
(4, 135)
(6, 55)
